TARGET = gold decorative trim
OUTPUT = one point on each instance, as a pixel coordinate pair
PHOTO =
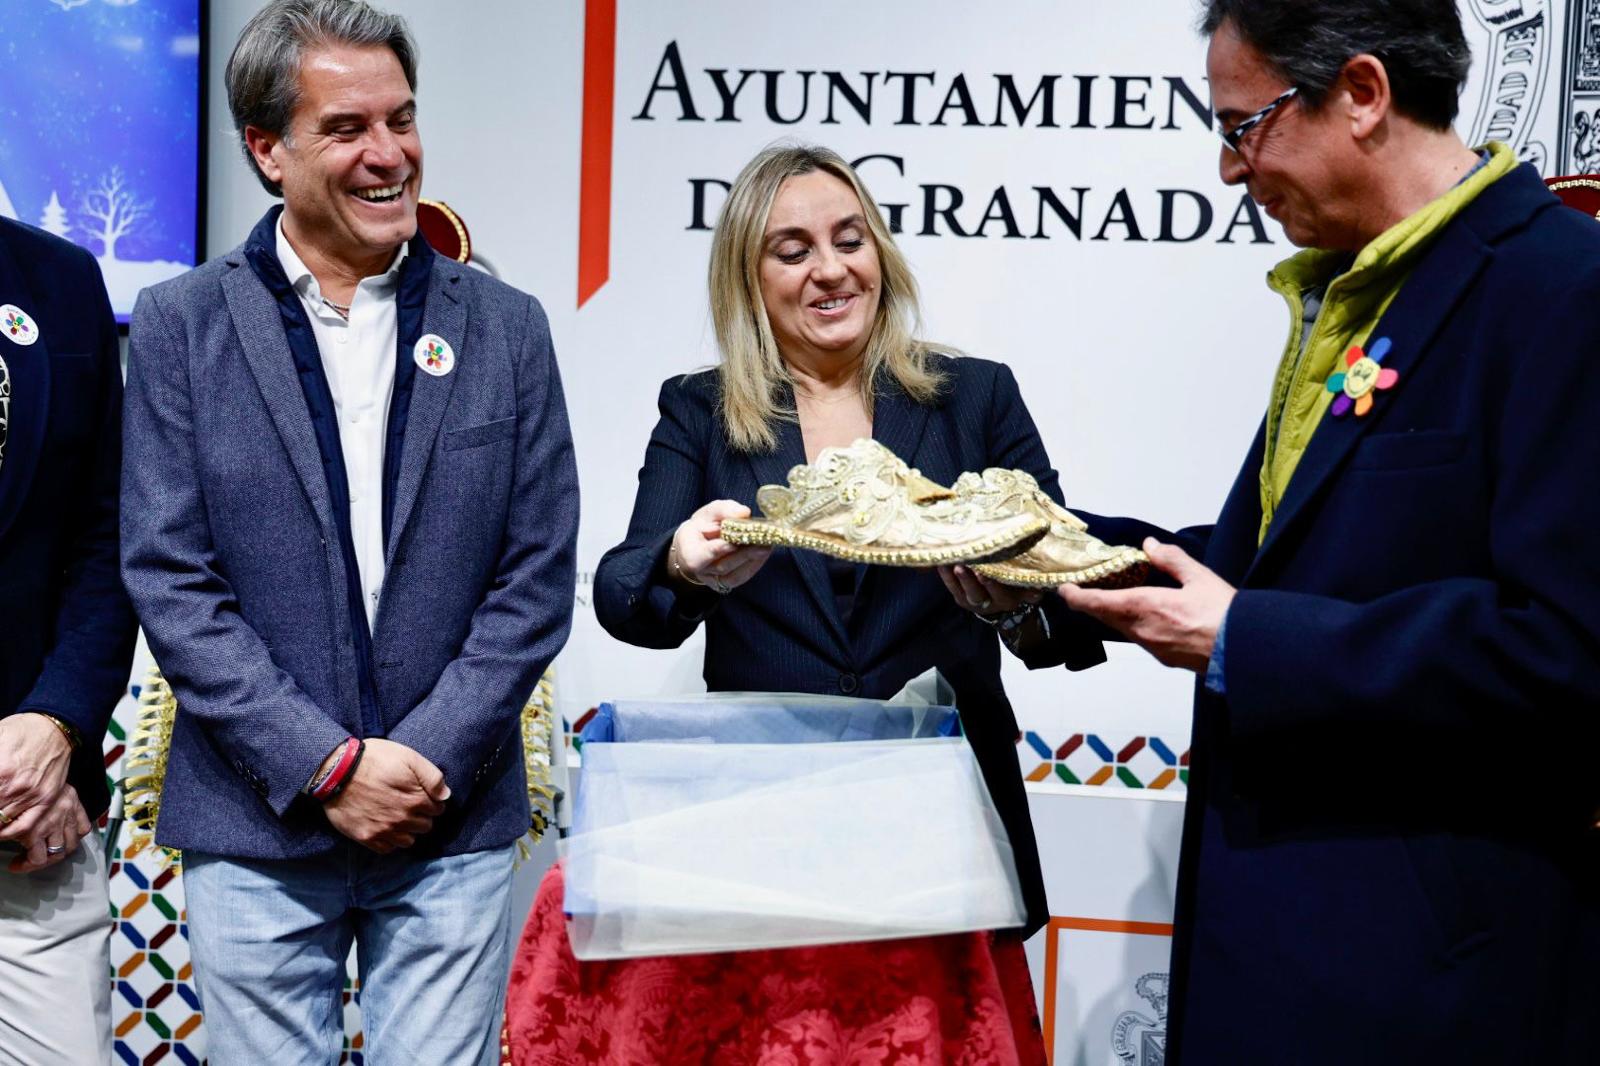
(144, 770)
(1125, 571)
(538, 735)
(1004, 545)
(455, 221)
(1577, 183)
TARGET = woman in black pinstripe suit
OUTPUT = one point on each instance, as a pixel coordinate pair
(814, 307)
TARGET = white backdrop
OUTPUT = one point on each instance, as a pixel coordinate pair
(1146, 362)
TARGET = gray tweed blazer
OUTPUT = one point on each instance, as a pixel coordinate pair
(231, 555)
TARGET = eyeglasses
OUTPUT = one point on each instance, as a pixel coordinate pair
(1232, 138)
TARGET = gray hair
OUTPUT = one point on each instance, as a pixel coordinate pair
(263, 75)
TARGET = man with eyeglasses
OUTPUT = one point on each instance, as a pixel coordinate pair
(1389, 854)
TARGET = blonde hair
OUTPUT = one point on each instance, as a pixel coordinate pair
(753, 374)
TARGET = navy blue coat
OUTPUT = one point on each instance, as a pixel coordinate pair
(232, 552)
(781, 631)
(1388, 855)
(66, 627)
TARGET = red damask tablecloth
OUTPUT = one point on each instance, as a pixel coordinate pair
(948, 999)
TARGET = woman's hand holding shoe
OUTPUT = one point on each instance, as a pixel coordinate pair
(699, 555)
(983, 597)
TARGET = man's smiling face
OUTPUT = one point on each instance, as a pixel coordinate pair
(350, 163)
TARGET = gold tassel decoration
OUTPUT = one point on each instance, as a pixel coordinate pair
(145, 767)
(538, 734)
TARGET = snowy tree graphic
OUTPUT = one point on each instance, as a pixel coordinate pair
(114, 211)
(54, 218)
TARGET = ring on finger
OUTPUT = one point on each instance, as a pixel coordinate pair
(54, 849)
(983, 605)
(719, 587)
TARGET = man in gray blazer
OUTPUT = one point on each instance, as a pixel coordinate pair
(349, 507)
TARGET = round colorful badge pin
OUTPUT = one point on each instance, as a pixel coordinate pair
(1361, 379)
(16, 325)
(433, 355)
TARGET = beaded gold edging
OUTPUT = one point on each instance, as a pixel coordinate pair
(1003, 545)
(1577, 183)
(455, 221)
(1124, 571)
(144, 770)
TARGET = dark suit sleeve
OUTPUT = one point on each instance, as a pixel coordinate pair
(1132, 532)
(91, 651)
(1464, 660)
(524, 621)
(1013, 443)
(1075, 640)
(252, 710)
(633, 599)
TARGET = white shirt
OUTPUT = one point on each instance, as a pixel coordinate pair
(358, 359)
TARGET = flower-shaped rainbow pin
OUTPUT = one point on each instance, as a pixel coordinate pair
(434, 354)
(1361, 377)
(16, 323)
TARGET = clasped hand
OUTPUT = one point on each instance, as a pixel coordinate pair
(391, 799)
(1178, 626)
(42, 810)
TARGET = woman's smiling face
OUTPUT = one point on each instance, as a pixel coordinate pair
(820, 278)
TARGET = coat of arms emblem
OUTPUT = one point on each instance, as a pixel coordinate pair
(1137, 1038)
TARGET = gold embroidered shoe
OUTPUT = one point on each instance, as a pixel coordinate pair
(864, 505)
(1067, 556)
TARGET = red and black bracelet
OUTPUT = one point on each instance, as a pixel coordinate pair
(344, 767)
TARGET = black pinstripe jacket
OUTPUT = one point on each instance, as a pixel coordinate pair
(781, 631)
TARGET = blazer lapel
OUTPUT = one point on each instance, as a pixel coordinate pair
(1423, 305)
(1231, 550)
(772, 468)
(29, 409)
(445, 317)
(898, 421)
(259, 327)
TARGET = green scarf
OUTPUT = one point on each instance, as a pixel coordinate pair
(1354, 302)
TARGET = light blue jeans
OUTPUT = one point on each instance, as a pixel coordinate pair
(269, 939)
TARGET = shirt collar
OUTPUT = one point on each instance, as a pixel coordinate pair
(305, 282)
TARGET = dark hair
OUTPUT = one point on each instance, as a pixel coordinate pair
(1420, 43)
(263, 74)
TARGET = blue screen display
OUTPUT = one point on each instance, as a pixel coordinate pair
(100, 113)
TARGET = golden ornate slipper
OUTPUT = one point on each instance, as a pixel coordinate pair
(864, 505)
(1068, 556)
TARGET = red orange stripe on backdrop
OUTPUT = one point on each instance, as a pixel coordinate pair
(594, 181)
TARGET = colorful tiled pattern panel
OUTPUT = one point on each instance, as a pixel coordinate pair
(1080, 759)
(1112, 762)
(155, 1012)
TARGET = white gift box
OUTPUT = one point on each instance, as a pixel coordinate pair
(728, 823)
